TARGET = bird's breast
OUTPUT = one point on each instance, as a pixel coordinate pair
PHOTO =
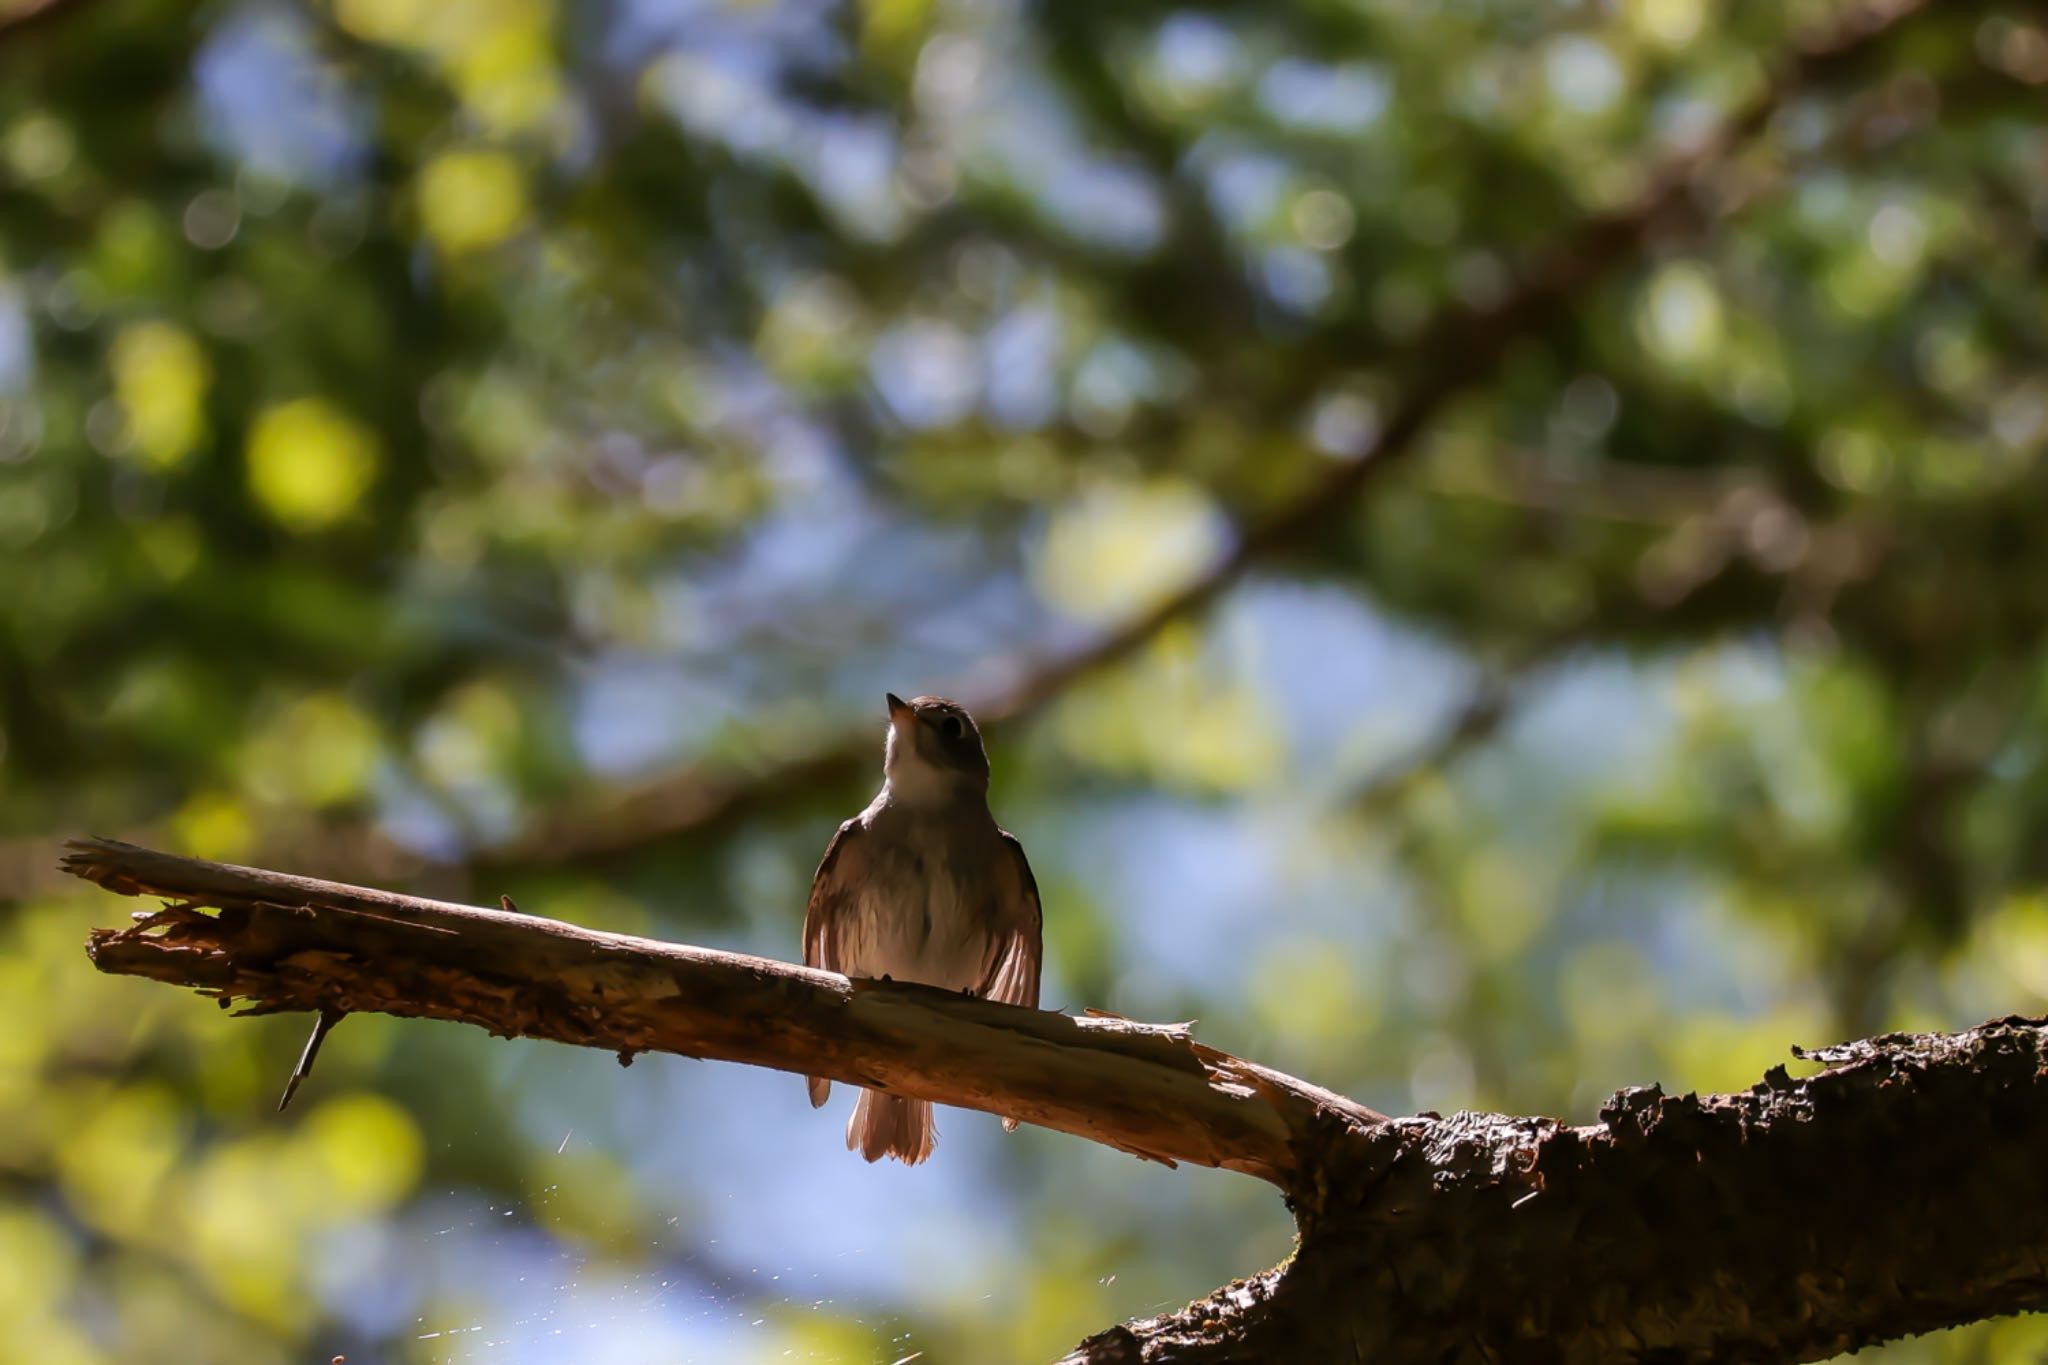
(921, 914)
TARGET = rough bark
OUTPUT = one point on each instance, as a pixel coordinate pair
(1899, 1190)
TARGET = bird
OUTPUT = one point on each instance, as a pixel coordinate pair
(924, 886)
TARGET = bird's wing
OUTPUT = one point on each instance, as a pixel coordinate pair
(1018, 945)
(839, 871)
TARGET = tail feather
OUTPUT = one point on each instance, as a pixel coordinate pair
(820, 1090)
(884, 1125)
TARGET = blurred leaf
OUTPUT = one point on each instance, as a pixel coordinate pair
(309, 463)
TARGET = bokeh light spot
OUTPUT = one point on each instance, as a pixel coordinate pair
(471, 201)
(161, 375)
(310, 463)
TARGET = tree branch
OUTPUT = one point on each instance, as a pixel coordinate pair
(1898, 1191)
(1488, 706)
(1459, 352)
(31, 16)
(283, 943)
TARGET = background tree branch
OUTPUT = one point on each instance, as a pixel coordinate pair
(1898, 1191)
(1682, 192)
(25, 17)
(1457, 355)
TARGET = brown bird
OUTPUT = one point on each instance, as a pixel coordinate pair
(924, 886)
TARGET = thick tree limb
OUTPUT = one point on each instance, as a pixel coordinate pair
(292, 943)
(1898, 1191)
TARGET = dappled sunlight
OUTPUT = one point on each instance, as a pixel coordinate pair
(509, 448)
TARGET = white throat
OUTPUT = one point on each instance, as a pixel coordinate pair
(908, 779)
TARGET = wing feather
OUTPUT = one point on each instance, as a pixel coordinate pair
(1020, 947)
(838, 871)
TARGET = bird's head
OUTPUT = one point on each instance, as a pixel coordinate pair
(934, 750)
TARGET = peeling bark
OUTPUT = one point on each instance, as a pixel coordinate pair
(1903, 1188)
(294, 943)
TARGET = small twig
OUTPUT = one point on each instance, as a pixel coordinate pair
(324, 1025)
(1481, 716)
(1486, 708)
(34, 16)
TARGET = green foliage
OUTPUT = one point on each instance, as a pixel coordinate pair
(421, 424)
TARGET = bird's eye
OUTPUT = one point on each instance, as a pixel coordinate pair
(951, 727)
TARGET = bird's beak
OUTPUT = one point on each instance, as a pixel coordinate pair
(900, 713)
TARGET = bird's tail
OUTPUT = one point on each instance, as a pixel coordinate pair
(884, 1125)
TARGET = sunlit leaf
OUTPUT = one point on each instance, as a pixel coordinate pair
(310, 463)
